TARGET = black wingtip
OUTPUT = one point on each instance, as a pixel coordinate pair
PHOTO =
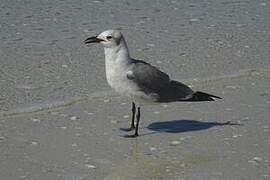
(201, 96)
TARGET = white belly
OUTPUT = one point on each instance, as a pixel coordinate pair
(125, 87)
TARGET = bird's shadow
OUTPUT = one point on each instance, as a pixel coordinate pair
(180, 126)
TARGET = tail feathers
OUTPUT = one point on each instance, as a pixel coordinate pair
(201, 96)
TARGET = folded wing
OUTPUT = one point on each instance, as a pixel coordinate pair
(151, 80)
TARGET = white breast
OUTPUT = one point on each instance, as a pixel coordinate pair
(117, 78)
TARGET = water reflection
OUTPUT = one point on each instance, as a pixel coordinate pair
(139, 165)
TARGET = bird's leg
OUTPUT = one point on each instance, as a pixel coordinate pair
(132, 126)
(137, 124)
(138, 121)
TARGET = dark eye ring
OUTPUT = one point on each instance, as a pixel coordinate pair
(109, 37)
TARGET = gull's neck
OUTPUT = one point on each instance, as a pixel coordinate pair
(118, 54)
(117, 61)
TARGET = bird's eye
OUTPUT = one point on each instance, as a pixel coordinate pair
(109, 37)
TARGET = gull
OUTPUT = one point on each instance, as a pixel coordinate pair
(139, 80)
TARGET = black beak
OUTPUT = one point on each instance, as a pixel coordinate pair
(93, 39)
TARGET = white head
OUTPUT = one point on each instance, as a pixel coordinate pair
(108, 38)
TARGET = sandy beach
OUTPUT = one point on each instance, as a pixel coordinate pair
(60, 120)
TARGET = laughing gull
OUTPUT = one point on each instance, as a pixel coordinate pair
(139, 80)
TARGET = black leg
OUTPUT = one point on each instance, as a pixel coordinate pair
(138, 121)
(132, 126)
(136, 134)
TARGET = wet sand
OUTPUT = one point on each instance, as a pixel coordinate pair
(60, 120)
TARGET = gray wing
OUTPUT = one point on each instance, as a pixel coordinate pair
(147, 77)
(153, 81)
